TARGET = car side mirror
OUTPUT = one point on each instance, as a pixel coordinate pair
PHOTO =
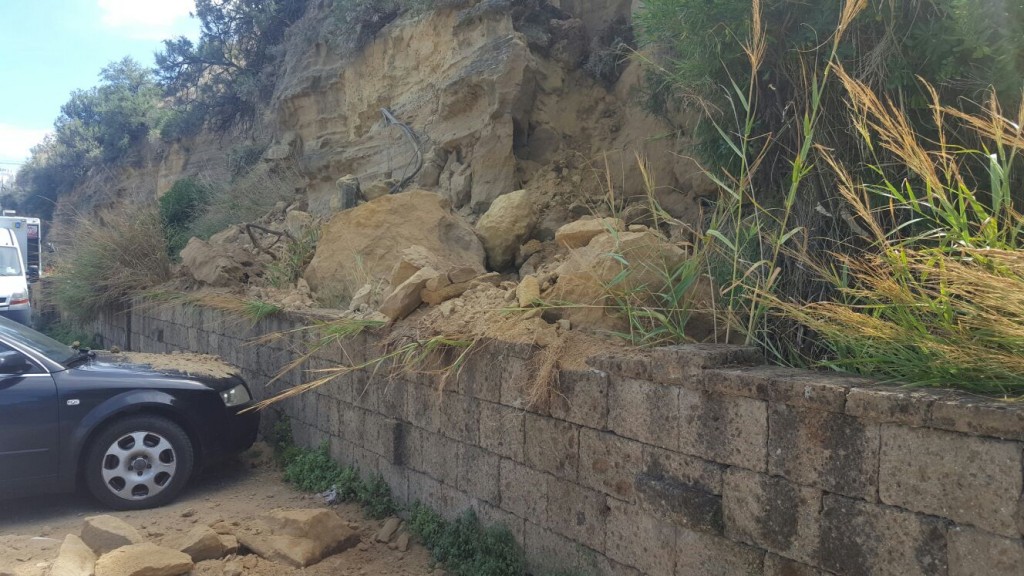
(14, 362)
(33, 272)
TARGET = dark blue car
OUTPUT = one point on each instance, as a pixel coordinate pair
(133, 431)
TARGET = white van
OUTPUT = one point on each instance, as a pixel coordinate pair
(14, 302)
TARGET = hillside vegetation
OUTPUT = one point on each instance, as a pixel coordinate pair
(522, 168)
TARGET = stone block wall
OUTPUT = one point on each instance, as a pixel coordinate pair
(681, 461)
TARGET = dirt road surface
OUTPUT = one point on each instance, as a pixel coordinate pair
(239, 490)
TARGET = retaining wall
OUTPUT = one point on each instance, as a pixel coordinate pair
(685, 461)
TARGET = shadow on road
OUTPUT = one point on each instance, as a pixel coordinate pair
(50, 508)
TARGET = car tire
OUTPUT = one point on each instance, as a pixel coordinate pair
(138, 462)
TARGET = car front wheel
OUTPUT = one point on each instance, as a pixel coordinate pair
(138, 462)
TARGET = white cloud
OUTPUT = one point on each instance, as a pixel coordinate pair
(149, 19)
(16, 142)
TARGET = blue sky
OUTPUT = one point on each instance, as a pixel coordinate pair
(50, 47)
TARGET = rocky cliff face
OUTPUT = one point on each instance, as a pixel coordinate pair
(497, 93)
(497, 96)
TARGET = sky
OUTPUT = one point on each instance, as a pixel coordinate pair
(48, 48)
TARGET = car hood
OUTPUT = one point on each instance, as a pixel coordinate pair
(183, 369)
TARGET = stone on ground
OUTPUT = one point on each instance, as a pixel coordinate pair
(202, 543)
(74, 559)
(528, 291)
(229, 542)
(406, 298)
(579, 233)
(403, 541)
(144, 559)
(387, 532)
(300, 538)
(105, 533)
(505, 226)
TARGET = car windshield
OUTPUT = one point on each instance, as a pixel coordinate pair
(39, 342)
(10, 264)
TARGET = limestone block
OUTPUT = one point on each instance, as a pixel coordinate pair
(890, 405)
(576, 513)
(105, 533)
(503, 431)
(727, 429)
(460, 419)
(709, 555)
(644, 411)
(683, 504)
(835, 452)
(970, 480)
(638, 539)
(772, 513)
(581, 397)
(862, 538)
(406, 297)
(609, 463)
(479, 473)
(552, 446)
(975, 552)
(144, 559)
(505, 226)
(202, 543)
(523, 491)
(74, 559)
(579, 233)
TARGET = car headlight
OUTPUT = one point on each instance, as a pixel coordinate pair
(235, 396)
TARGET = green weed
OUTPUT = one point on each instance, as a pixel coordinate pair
(257, 310)
(285, 271)
(465, 546)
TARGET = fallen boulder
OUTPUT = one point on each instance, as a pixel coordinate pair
(202, 543)
(632, 265)
(217, 265)
(362, 245)
(105, 533)
(406, 298)
(579, 233)
(300, 538)
(74, 559)
(505, 226)
(144, 559)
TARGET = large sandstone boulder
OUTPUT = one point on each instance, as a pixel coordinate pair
(363, 245)
(591, 275)
(105, 533)
(144, 559)
(217, 264)
(505, 226)
(300, 538)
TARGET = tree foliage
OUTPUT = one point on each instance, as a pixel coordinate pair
(225, 74)
(101, 125)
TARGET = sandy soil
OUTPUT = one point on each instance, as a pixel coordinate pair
(31, 529)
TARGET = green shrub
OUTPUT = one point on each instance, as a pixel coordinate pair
(111, 258)
(287, 270)
(244, 199)
(375, 496)
(465, 546)
(312, 470)
(180, 207)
